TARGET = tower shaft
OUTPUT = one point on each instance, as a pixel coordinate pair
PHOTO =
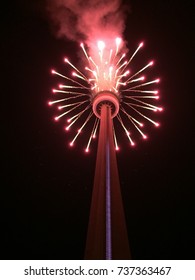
(107, 235)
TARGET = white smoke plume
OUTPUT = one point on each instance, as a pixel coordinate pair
(87, 20)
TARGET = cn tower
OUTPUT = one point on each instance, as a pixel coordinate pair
(107, 236)
(107, 93)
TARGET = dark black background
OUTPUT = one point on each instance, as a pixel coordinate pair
(46, 186)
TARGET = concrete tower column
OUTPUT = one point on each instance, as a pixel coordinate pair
(107, 235)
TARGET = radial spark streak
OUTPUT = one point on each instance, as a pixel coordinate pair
(144, 116)
(125, 129)
(141, 70)
(66, 112)
(133, 121)
(91, 135)
(80, 129)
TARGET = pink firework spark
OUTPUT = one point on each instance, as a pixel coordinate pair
(108, 71)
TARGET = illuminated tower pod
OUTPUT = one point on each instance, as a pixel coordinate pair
(107, 235)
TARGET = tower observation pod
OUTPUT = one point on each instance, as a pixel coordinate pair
(107, 236)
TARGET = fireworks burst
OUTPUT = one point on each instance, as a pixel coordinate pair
(107, 71)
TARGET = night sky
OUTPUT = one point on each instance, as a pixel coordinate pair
(46, 186)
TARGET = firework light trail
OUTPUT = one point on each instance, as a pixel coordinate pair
(107, 71)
